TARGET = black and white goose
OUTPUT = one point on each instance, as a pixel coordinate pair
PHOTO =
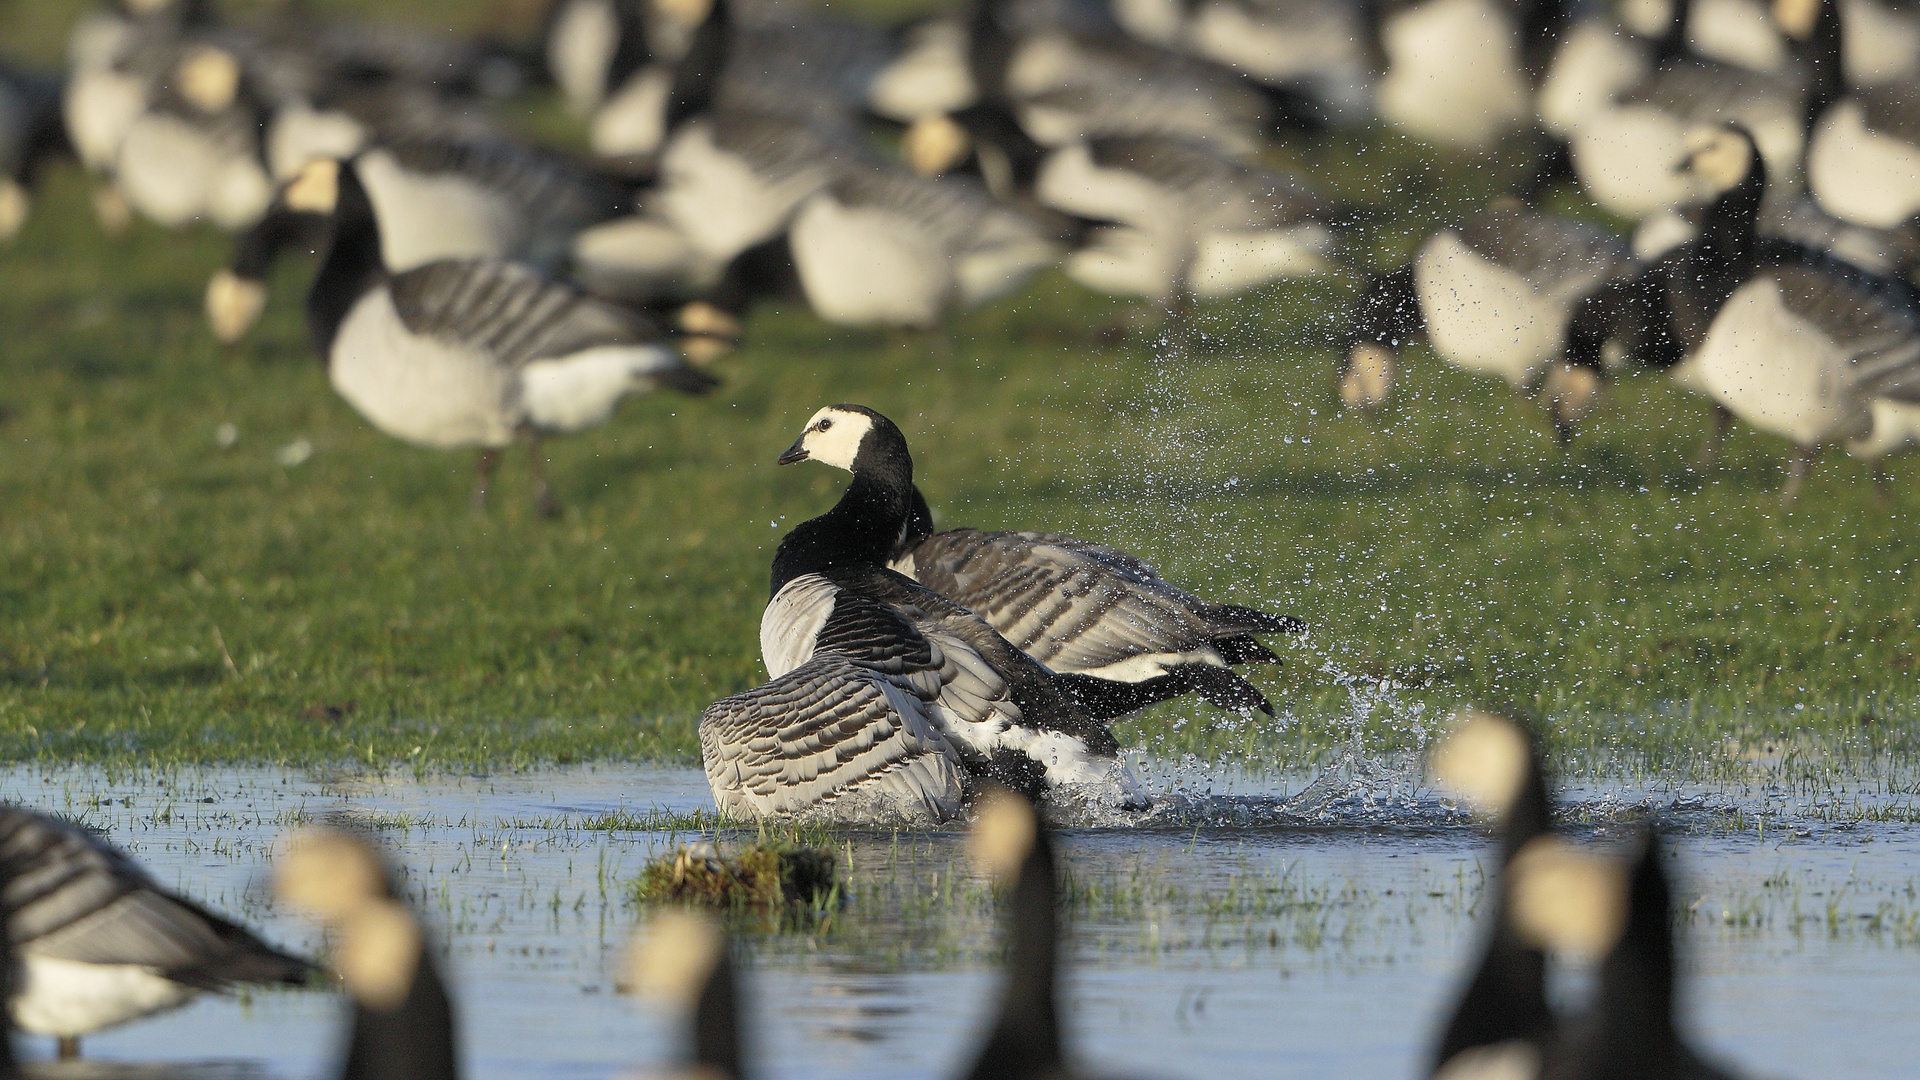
(30, 134)
(680, 959)
(888, 702)
(1493, 297)
(1186, 220)
(1462, 73)
(885, 245)
(433, 200)
(1789, 340)
(1863, 157)
(98, 942)
(1501, 1012)
(1114, 631)
(473, 352)
(401, 1021)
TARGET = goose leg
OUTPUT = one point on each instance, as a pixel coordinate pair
(1797, 474)
(1716, 434)
(483, 477)
(69, 1048)
(544, 503)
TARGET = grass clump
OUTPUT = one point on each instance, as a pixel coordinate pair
(765, 875)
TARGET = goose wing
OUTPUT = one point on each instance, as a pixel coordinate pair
(1221, 192)
(555, 193)
(515, 316)
(1892, 109)
(1874, 321)
(831, 730)
(1551, 250)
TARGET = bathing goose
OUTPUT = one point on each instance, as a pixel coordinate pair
(1791, 341)
(433, 200)
(473, 352)
(98, 942)
(1623, 152)
(680, 959)
(30, 133)
(884, 245)
(1187, 221)
(888, 701)
(1574, 903)
(401, 1025)
(1493, 764)
(1863, 157)
(1107, 623)
(1493, 296)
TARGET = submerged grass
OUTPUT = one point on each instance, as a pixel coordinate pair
(170, 597)
(766, 875)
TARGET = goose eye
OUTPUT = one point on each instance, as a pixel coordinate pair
(825, 423)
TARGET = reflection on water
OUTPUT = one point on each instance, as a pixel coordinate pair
(1306, 926)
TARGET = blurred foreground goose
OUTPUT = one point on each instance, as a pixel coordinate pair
(1863, 157)
(474, 352)
(1492, 764)
(680, 958)
(1574, 903)
(888, 702)
(1793, 342)
(1492, 296)
(1113, 630)
(402, 1023)
(98, 942)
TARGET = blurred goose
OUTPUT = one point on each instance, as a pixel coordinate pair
(888, 702)
(680, 959)
(1010, 845)
(401, 1026)
(433, 201)
(1492, 296)
(1793, 342)
(1187, 222)
(1501, 1012)
(1314, 49)
(730, 180)
(1574, 903)
(1863, 158)
(884, 245)
(1108, 624)
(30, 133)
(1461, 73)
(99, 942)
(473, 352)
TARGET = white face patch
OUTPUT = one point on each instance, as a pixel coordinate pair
(316, 190)
(1796, 17)
(1720, 157)
(833, 437)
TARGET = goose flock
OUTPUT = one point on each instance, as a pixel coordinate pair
(95, 942)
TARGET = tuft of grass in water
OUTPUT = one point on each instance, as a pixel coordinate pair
(765, 875)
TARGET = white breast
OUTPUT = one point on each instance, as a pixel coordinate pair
(1070, 180)
(633, 121)
(99, 107)
(425, 217)
(1000, 261)
(167, 168)
(1880, 44)
(580, 49)
(577, 391)
(869, 265)
(67, 997)
(641, 257)
(717, 200)
(1483, 316)
(1453, 73)
(1737, 32)
(417, 389)
(1895, 424)
(1230, 261)
(1861, 176)
(793, 620)
(1625, 159)
(1774, 370)
(1131, 261)
(300, 134)
(930, 77)
(1229, 34)
(1595, 63)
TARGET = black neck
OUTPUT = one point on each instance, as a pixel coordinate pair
(1026, 1036)
(414, 1041)
(716, 1025)
(1821, 55)
(353, 264)
(1635, 999)
(860, 532)
(1542, 25)
(1672, 45)
(696, 78)
(257, 249)
(989, 49)
(1727, 249)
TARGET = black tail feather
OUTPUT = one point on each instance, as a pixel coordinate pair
(1232, 618)
(1244, 649)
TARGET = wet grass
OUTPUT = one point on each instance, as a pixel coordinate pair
(165, 599)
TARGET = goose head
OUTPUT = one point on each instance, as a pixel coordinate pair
(340, 880)
(850, 437)
(679, 959)
(1720, 157)
(1368, 379)
(1565, 900)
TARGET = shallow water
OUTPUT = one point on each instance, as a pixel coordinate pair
(1267, 927)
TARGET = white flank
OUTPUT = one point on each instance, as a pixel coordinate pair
(717, 200)
(300, 133)
(427, 217)
(641, 257)
(1881, 44)
(1453, 72)
(584, 36)
(67, 997)
(1862, 176)
(1129, 261)
(99, 107)
(1737, 32)
(864, 265)
(1593, 64)
(1070, 181)
(633, 122)
(1775, 370)
(240, 193)
(167, 168)
(1625, 159)
(1895, 424)
(415, 388)
(571, 392)
(1229, 262)
(929, 78)
(1482, 316)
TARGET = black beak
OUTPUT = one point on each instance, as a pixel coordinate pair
(794, 453)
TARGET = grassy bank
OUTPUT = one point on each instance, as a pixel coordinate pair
(165, 597)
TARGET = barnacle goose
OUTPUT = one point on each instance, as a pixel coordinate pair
(98, 942)
(433, 200)
(1863, 158)
(473, 352)
(1493, 765)
(193, 151)
(881, 244)
(887, 702)
(401, 1025)
(1114, 631)
(1461, 72)
(1493, 296)
(30, 133)
(1574, 903)
(1787, 339)
(680, 959)
(1186, 220)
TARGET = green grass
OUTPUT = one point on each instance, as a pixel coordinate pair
(166, 600)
